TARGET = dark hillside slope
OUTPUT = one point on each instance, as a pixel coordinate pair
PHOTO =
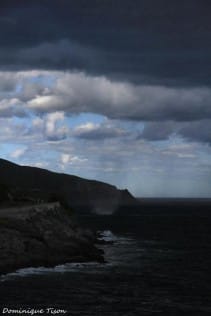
(30, 183)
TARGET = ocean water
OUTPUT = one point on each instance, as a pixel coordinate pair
(157, 264)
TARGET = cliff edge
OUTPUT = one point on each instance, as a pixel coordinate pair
(84, 196)
(42, 235)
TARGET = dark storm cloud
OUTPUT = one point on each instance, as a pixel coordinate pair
(157, 41)
(59, 54)
(199, 131)
(161, 46)
(196, 131)
(157, 130)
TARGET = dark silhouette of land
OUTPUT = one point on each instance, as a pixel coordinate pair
(23, 183)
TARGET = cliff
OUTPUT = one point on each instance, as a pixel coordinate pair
(42, 235)
(35, 184)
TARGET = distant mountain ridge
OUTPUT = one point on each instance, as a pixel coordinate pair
(36, 184)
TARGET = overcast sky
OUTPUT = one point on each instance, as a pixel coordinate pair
(118, 91)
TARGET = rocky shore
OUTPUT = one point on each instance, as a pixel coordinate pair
(43, 235)
(37, 230)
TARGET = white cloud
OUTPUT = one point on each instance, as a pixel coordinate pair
(12, 107)
(51, 126)
(87, 127)
(98, 131)
(43, 93)
(42, 164)
(76, 92)
(65, 158)
(18, 153)
(37, 123)
(188, 156)
(70, 159)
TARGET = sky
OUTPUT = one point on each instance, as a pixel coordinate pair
(118, 91)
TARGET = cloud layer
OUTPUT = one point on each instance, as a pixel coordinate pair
(113, 90)
(45, 91)
(52, 96)
(131, 40)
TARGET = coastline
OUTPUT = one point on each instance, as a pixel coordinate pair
(43, 235)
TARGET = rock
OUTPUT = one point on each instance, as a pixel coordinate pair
(43, 235)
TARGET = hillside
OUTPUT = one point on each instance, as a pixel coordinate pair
(39, 185)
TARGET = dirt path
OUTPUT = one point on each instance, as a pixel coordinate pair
(23, 211)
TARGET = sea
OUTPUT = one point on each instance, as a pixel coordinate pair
(157, 262)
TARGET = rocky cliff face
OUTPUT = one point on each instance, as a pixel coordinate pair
(42, 235)
(80, 194)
